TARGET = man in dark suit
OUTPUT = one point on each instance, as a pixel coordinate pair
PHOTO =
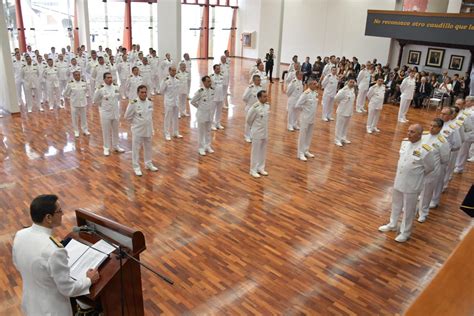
(306, 69)
(269, 60)
(355, 61)
(457, 91)
(422, 91)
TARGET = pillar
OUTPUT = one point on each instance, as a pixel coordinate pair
(233, 33)
(454, 6)
(82, 10)
(8, 101)
(169, 28)
(20, 26)
(127, 25)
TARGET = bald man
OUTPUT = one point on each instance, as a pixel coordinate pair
(416, 160)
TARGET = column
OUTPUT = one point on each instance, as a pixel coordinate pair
(127, 25)
(20, 26)
(8, 101)
(454, 6)
(169, 28)
(82, 10)
(233, 33)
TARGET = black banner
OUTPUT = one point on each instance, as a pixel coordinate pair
(450, 29)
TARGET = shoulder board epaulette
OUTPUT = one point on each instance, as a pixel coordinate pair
(452, 126)
(307, 91)
(212, 75)
(101, 85)
(24, 65)
(251, 86)
(83, 80)
(131, 76)
(149, 99)
(441, 139)
(256, 104)
(211, 88)
(71, 81)
(114, 84)
(56, 242)
(202, 89)
(133, 101)
(426, 133)
(459, 122)
(426, 147)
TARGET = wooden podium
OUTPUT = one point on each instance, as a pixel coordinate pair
(106, 293)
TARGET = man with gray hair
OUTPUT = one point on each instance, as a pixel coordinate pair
(416, 160)
(466, 115)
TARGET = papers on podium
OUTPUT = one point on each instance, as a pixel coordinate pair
(83, 257)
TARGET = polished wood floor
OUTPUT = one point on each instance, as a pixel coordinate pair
(303, 240)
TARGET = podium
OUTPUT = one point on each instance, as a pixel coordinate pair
(106, 293)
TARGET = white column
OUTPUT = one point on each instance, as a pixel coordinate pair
(169, 28)
(8, 99)
(454, 6)
(82, 8)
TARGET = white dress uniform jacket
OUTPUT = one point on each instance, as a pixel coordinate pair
(257, 119)
(43, 265)
(203, 100)
(308, 102)
(140, 114)
(345, 98)
(107, 97)
(407, 88)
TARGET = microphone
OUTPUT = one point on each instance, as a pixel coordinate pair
(84, 228)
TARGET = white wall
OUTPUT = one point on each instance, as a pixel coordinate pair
(447, 57)
(248, 22)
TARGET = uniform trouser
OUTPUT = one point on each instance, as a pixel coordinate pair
(76, 114)
(182, 103)
(218, 112)
(304, 138)
(155, 83)
(450, 168)
(110, 126)
(360, 102)
(171, 121)
(62, 87)
(92, 86)
(122, 89)
(342, 123)
(439, 185)
(407, 202)
(328, 105)
(463, 154)
(19, 85)
(42, 91)
(373, 118)
(258, 155)
(471, 151)
(402, 111)
(293, 114)
(429, 187)
(30, 101)
(52, 95)
(189, 86)
(137, 142)
(225, 87)
(247, 127)
(204, 129)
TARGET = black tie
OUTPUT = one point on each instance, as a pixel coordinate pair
(422, 88)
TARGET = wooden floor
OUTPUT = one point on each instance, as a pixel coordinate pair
(302, 241)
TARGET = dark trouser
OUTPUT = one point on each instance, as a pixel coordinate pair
(418, 99)
(269, 70)
(306, 76)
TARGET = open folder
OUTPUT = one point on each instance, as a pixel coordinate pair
(83, 257)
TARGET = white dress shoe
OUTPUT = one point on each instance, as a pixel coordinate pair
(359, 111)
(325, 119)
(338, 143)
(220, 127)
(210, 150)
(254, 174)
(76, 134)
(151, 167)
(291, 129)
(263, 173)
(308, 154)
(422, 219)
(387, 228)
(86, 133)
(138, 172)
(369, 131)
(29, 111)
(41, 109)
(331, 119)
(168, 137)
(213, 128)
(202, 152)
(178, 136)
(376, 130)
(248, 140)
(471, 159)
(106, 152)
(345, 141)
(401, 238)
(302, 158)
(119, 149)
(432, 205)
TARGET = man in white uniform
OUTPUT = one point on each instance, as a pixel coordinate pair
(294, 91)
(250, 98)
(203, 100)
(76, 95)
(188, 63)
(99, 70)
(29, 75)
(407, 88)
(183, 77)
(140, 115)
(169, 90)
(133, 83)
(43, 263)
(308, 103)
(219, 96)
(466, 115)
(345, 99)
(416, 160)
(52, 85)
(440, 150)
(124, 70)
(145, 72)
(257, 119)
(108, 98)
(17, 66)
(363, 82)
(225, 71)
(63, 75)
(329, 85)
(376, 96)
(154, 62)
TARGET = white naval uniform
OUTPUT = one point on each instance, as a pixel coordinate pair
(467, 116)
(63, 75)
(263, 79)
(219, 97)
(43, 265)
(257, 119)
(165, 65)
(42, 82)
(113, 72)
(17, 66)
(123, 69)
(250, 98)
(225, 72)
(416, 160)
(169, 89)
(407, 88)
(440, 149)
(345, 99)
(108, 97)
(329, 85)
(91, 63)
(145, 72)
(30, 75)
(308, 103)
(98, 74)
(51, 79)
(76, 92)
(376, 96)
(140, 115)
(131, 86)
(73, 69)
(155, 73)
(327, 69)
(183, 91)
(293, 91)
(203, 100)
(363, 83)
(188, 69)
(454, 127)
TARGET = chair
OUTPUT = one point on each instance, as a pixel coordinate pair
(436, 99)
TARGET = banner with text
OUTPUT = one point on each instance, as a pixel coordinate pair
(436, 29)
